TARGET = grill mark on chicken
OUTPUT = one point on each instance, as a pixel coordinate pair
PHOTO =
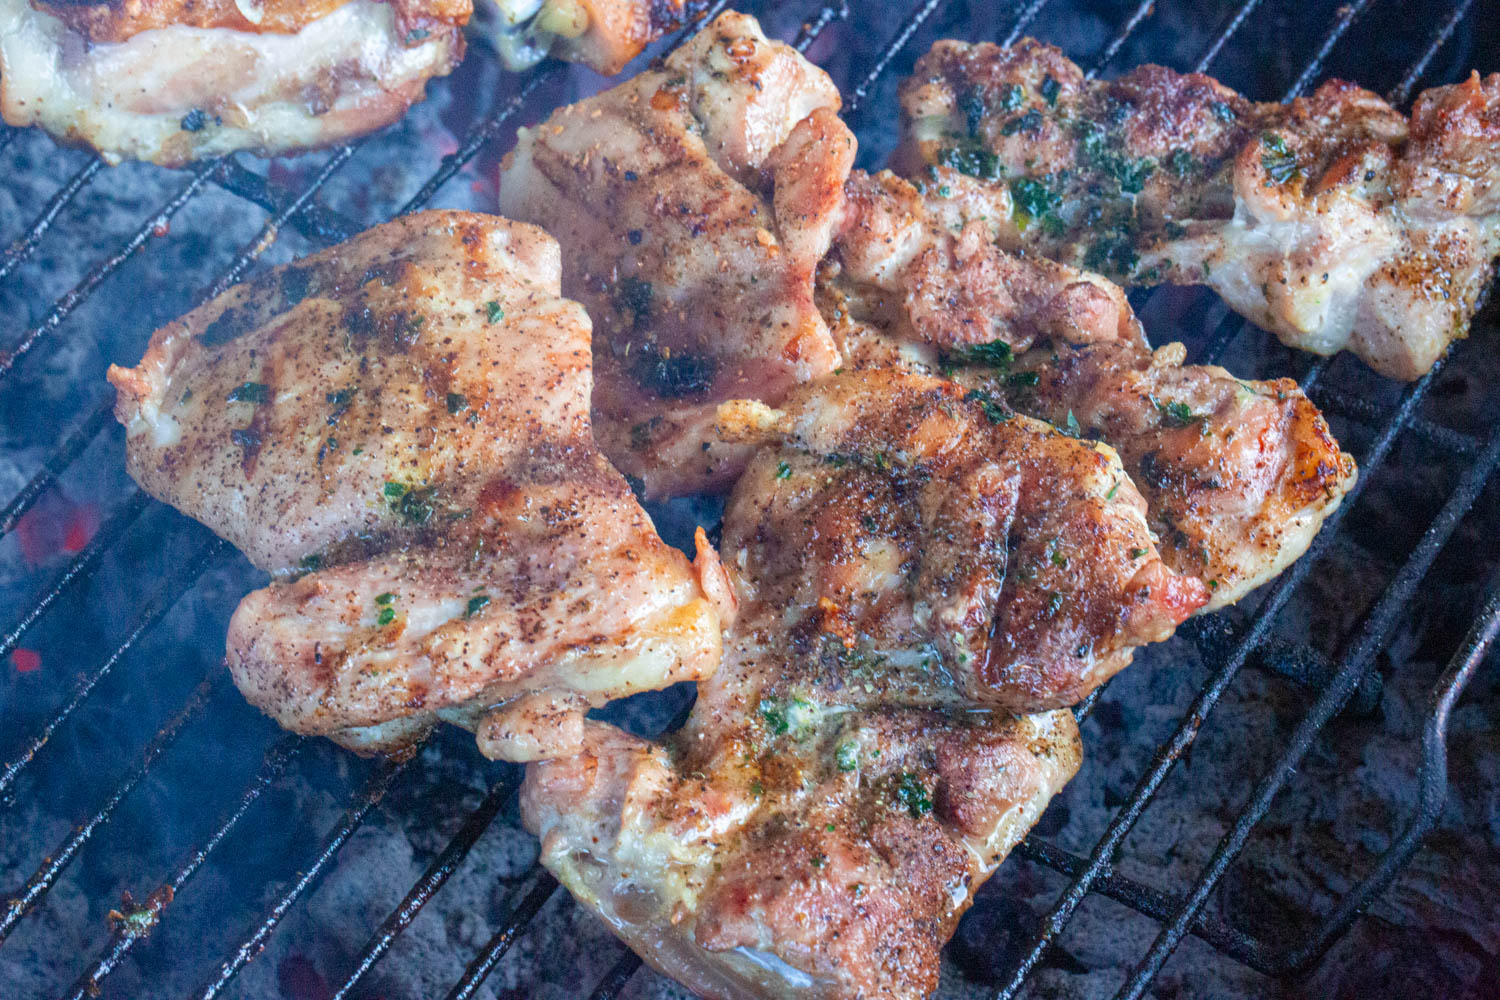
(414, 465)
(1238, 474)
(1333, 221)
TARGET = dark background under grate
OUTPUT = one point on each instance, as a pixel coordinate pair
(128, 765)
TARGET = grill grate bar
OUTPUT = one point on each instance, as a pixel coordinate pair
(163, 601)
(909, 27)
(43, 878)
(1402, 91)
(64, 456)
(1187, 730)
(489, 956)
(1142, 898)
(456, 160)
(613, 983)
(125, 935)
(1433, 777)
(1372, 637)
(1361, 409)
(433, 879)
(25, 245)
(1343, 18)
(1121, 37)
(369, 796)
(272, 227)
(80, 569)
(1027, 16)
(1240, 17)
(316, 222)
(64, 306)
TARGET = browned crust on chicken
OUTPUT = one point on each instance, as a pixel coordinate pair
(904, 510)
(1332, 220)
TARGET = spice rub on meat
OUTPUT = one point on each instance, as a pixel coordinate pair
(904, 567)
(693, 204)
(1333, 221)
(172, 81)
(398, 430)
(1237, 474)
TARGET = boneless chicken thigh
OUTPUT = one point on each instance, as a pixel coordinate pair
(912, 564)
(693, 203)
(171, 81)
(1334, 221)
(398, 430)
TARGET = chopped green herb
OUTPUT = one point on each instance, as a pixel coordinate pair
(944, 191)
(975, 161)
(457, 402)
(994, 354)
(394, 491)
(830, 828)
(1113, 490)
(819, 860)
(493, 312)
(1012, 97)
(1049, 90)
(1032, 198)
(783, 470)
(1278, 159)
(1029, 123)
(310, 562)
(1213, 585)
(1023, 380)
(250, 392)
(846, 756)
(1137, 553)
(386, 616)
(757, 789)
(1176, 414)
(995, 411)
(774, 716)
(476, 604)
(384, 598)
(414, 506)
(911, 793)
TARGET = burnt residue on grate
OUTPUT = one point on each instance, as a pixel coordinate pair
(412, 883)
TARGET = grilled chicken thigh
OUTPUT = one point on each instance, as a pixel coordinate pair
(1333, 221)
(1238, 475)
(841, 788)
(693, 204)
(902, 509)
(176, 80)
(404, 419)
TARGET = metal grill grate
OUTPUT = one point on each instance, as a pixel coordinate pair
(1225, 644)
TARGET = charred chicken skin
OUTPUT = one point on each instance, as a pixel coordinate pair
(398, 430)
(172, 81)
(1237, 475)
(845, 782)
(693, 204)
(1333, 221)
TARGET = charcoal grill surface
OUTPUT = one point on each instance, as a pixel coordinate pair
(160, 838)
